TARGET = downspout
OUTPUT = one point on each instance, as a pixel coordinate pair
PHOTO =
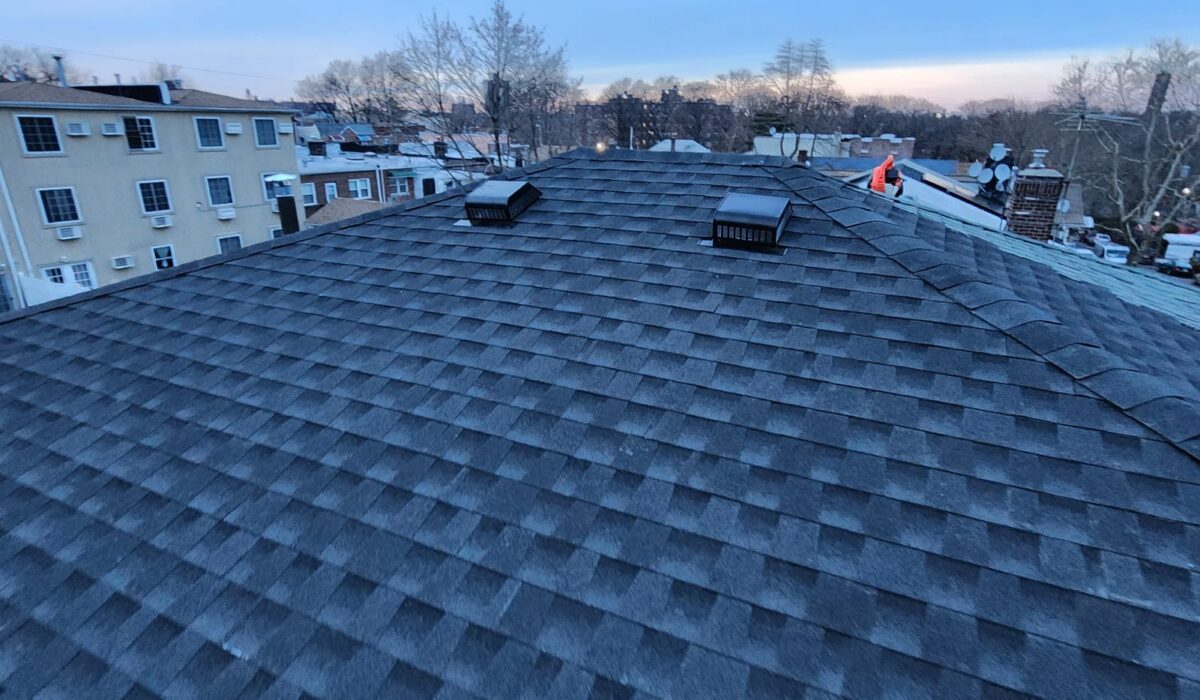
(379, 183)
(18, 290)
(12, 216)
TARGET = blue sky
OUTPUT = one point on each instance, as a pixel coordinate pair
(946, 51)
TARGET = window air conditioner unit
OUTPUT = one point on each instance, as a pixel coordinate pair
(79, 129)
(285, 127)
(162, 221)
(111, 129)
(122, 262)
(226, 213)
(275, 205)
(69, 233)
(233, 127)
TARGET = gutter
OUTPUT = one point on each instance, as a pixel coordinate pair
(141, 107)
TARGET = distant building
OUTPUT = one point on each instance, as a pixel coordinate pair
(104, 183)
(386, 179)
(798, 146)
(680, 146)
(628, 121)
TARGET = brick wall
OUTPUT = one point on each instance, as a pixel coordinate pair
(342, 180)
(1033, 206)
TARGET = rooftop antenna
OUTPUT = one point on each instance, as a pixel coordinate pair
(1079, 118)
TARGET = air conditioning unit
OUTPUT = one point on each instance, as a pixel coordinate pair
(122, 262)
(161, 221)
(79, 129)
(226, 213)
(275, 205)
(233, 128)
(111, 129)
(69, 233)
(285, 127)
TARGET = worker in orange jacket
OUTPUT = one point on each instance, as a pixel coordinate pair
(887, 174)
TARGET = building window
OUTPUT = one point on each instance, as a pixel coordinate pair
(276, 232)
(399, 186)
(220, 190)
(264, 133)
(228, 244)
(208, 132)
(360, 188)
(308, 191)
(139, 134)
(330, 191)
(164, 257)
(39, 134)
(58, 205)
(154, 195)
(79, 273)
(271, 190)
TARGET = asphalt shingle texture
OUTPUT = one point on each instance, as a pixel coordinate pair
(587, 457)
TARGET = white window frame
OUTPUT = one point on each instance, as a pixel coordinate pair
(328, 185)
(398, 183)
(262, 180)
(208, 193)
(154, 256)
(274, 130)
(226, 236)
(42, 207)
(65, 267)
(220, 133)
(307, 189)
(142, 200)
(351, 182)
(21, 135)
(153, 131)
(275, 232)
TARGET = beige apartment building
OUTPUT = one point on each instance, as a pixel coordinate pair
(99, 184)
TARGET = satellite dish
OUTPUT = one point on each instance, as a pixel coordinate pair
(975, 169)
(998, 152)
(1001, 186)
(1003, 172)
(772, 131)
(1064, 206)
(985, 176)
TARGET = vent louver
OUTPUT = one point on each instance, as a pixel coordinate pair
(500, 202)
(750, 221)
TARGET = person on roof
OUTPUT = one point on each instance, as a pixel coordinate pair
(886, 174)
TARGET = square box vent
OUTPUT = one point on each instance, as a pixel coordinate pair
(751, 221)
(500, 202)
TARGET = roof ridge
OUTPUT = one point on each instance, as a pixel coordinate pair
(1169, 413)
(304, 235)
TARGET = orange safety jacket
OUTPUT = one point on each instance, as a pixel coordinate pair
(879, 180)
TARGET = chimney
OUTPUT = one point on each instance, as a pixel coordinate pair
(440, 149)
(62, 72)
(1032, 208)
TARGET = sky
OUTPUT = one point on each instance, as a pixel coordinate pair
(945, 51)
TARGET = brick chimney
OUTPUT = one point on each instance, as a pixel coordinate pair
(1032, 208)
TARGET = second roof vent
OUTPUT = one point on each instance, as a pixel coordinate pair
(750, 221)
(500, 202)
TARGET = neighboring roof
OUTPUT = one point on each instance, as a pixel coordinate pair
(40, 94)
(199, 99)
(342, 208)
(680, 146)
(586, 455)
(362, 129)
(962, 191)
(344, 163)
(459, 150)
(942, 167)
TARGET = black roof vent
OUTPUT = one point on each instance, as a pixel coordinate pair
(500, 202)
(750, 221)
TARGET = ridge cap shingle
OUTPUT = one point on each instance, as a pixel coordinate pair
(1106, 374)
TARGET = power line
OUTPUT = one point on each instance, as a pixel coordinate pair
(149, 63)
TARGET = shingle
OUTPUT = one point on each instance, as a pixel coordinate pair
(583, 456)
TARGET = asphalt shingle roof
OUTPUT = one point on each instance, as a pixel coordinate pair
(586, 456)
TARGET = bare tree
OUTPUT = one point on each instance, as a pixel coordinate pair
(35, 64)
(339, 84)
(1143, 170)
